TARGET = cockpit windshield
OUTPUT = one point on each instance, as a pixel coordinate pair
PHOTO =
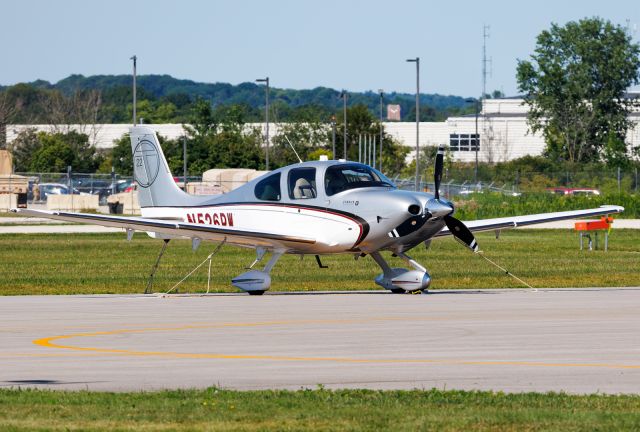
(341, 177)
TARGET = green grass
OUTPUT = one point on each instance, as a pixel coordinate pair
(353, 410)
(490, 205)
(107, 263)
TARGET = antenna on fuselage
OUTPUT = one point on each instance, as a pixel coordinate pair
(292, 148)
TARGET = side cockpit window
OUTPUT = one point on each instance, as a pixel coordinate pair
(341, 177)
(302, 183)
(269, 188)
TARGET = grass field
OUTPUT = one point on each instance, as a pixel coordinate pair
(352, 410)
(107, 263)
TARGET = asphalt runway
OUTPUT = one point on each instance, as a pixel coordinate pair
(573, 340)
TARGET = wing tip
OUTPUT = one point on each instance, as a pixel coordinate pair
(613, 208)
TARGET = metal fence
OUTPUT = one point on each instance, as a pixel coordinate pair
(453, 188)
(42, 185)
(520, 182)
(454, 183)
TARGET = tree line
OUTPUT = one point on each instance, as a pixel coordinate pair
(215, 138)
(164, 99)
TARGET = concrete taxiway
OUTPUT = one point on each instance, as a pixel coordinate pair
(574, 340)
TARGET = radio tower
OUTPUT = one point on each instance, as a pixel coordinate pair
(485, 61)
(485, 36)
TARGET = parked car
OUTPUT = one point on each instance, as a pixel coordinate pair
(469, 191)
(574, 191)
(133, 186)
(91, 186)
(47, 189)
(123, 185)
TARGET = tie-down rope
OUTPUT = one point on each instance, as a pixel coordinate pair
(208, 258)
(481, 253)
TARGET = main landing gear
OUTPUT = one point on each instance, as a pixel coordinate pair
(401, 280)
(256, 282)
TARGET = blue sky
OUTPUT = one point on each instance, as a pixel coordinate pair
(357, 45)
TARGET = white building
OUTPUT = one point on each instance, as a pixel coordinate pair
(502, 127)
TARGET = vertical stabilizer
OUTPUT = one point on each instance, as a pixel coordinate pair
(156, 187)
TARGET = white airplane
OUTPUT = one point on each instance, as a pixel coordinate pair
(311, 208)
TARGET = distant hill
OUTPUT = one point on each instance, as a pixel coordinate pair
(158, 89)
(248, 93)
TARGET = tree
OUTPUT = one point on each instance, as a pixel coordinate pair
(151, 112)
(53, 157)
(310, 138)
(219, 139)
(85, 158)
(427, 114)
(428, 155)
(23, 147)
(121, 156)
(53, 152)
(80, 107)
(201, 121)
(8, 109)
(575, 88)
(360, 121)
(394, 155)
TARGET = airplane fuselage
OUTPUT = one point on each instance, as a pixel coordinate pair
(351, 222)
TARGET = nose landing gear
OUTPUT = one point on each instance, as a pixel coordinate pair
(401, 280)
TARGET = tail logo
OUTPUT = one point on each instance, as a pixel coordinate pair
(146, 163)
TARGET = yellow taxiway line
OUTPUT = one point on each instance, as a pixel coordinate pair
(53, 342)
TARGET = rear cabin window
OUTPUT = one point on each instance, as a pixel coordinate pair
(302, 183)
(269, 188)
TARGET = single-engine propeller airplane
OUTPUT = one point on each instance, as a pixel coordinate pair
(310, 208)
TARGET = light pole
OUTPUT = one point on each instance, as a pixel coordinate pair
(266, 115)
(134, 58)
(343, 95)
(381, 104)
(477, 137)
(417, 62)
(184, 160)
(333, 136)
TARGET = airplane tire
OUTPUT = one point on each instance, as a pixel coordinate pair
(398, 291)
(256, 293)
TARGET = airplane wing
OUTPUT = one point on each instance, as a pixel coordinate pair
(526, 220)
(175, 228)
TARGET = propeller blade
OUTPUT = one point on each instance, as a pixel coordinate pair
(438, 170)
(461, 233)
